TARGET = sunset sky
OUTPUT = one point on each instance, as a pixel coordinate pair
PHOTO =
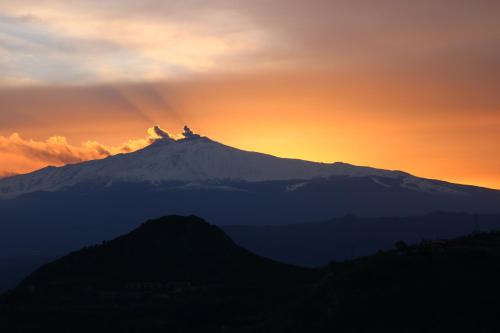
(395, 84)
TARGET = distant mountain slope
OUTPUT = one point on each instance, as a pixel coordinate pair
(224, 184)
(316, 244)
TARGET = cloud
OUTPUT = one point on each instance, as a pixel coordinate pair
(56, 150)
(84, 41)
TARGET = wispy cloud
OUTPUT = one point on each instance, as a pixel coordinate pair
(56, 150)
(86, 42)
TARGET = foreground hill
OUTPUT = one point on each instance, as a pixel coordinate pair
(169, 249)
(179, 274)
(439, 286)
(176, 273)
(26, 246)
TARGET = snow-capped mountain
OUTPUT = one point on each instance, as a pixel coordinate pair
(54, 210)
(198, 159)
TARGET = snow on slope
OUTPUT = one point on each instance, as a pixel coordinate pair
(194, 158)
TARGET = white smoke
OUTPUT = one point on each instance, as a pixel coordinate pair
(188, 134)
(161, 133)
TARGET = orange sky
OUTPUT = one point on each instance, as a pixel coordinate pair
(397, 85)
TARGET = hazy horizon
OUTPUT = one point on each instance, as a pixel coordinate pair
(394, 85)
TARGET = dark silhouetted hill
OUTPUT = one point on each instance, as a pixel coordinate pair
(180, 274)
(168, 249)
(175, 273)
(436, 286)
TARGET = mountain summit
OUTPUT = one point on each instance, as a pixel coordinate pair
(195, 158)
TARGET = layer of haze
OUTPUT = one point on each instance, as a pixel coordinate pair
(391, 84)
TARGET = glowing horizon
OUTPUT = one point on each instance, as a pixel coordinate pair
(57, 151)
(393, 85)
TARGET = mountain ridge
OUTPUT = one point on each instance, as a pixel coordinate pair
(198, 158)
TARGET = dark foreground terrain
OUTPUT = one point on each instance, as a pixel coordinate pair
(180, 274)
(312, 244)
(438, 286)
(174, 274)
